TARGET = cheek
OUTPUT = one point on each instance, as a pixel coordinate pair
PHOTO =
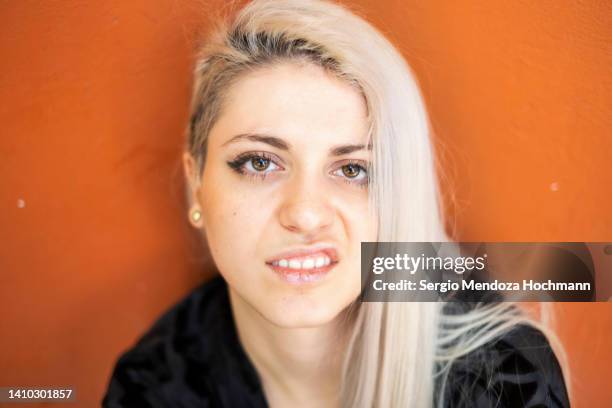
(224, 216)
(232, 221)
(360, 225)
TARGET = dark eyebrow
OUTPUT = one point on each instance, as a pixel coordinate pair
(271, 140)
(281, 144)
(341, 150)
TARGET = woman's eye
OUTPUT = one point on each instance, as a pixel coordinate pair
(259, 163)
(351, 170)
(352, 173)
(254, 164)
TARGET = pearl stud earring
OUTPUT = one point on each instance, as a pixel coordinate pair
(196, 215)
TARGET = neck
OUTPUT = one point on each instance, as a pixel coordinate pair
(297, 366)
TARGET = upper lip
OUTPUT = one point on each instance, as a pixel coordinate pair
(330, 251)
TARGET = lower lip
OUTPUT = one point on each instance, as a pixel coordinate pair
(302, 276)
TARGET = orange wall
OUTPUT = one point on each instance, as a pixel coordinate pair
(93, 99)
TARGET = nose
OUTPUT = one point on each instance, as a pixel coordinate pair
(306, 209)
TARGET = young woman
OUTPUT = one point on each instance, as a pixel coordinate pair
(308, 135)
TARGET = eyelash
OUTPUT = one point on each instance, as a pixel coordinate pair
(238, 165)
(362, 169)
(239, 162)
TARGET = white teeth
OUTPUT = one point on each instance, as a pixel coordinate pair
(308, 264)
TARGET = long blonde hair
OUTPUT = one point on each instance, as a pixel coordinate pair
(399, 353)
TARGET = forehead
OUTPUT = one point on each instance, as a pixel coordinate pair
(301, 103)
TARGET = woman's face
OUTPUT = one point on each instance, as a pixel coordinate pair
(284, 193)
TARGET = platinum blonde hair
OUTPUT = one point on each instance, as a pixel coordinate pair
(399, 353)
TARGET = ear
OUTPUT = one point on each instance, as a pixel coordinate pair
(190, 169)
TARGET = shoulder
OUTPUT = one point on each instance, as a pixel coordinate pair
(155, 371)
(517, 369)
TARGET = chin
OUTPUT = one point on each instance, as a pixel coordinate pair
(293, 312)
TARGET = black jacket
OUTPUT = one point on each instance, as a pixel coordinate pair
(192, 358)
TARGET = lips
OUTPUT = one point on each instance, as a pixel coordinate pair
(304, 265)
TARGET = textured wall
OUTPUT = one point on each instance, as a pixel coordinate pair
(93, 99)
